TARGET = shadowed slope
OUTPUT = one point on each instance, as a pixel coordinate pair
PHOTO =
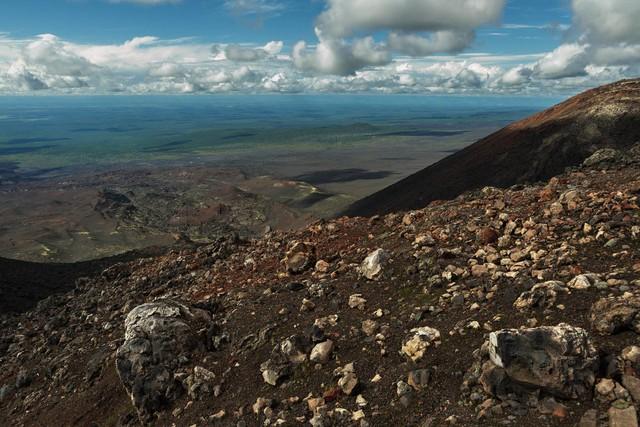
(23, 284)
(530, 150)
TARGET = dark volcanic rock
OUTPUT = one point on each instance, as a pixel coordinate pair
(559, 360)
(530, 150)
(612, 315)
(159, 338)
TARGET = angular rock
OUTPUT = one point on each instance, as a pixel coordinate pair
(417, 343)
(589, 419)
(348, 381)
(356, 301)
(623, 417)
(300, 257)
(542, 295)
(321, 352)
(604, 155)
(584, 281)
(159, 338)
(630, 360)
(612, 315)
(419, 379)
(373, 264)
(295, 348)
(200, 384)
(369, 327)
(632, 384)
(292, 351)
(559, 360)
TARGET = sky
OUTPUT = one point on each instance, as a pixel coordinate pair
(541, 47)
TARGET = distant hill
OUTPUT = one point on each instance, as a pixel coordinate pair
(530, 150)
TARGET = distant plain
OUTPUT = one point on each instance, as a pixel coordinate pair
(289, 158)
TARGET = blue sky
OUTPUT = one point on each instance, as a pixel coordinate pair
(95, 21)
(514, 46)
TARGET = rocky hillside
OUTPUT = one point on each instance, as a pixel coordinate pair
(516, 306)
(534, 149)
(23, 284)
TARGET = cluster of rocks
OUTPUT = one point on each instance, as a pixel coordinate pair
(502, 307)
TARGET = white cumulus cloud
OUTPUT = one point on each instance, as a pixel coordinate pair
(338, 57)
(609, 21)
(344, 17)
(414, 27)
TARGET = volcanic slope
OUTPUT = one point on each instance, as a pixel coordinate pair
(527, 151)
(516, 306)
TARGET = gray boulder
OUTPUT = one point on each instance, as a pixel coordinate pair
(542, 295)
(614, 314)
(604, 156)
(559, 360)
(159, 338)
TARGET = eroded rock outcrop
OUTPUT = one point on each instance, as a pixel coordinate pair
(159, 338)
(559, 360)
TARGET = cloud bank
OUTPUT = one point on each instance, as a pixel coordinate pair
(376, 46)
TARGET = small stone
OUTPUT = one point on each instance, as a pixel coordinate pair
(402, 388)
(487, 236)
(623, 417)
(218, 415)
(23, 379)
(457, 300)
(556, 209)
(356, 301)
(373, 264)
(369, 327)
(419, 341)
(584, 281)
(479, 270)
(300, 257)
(361, 401)
(270, 377)
(589, 419)
(322, 266)
(5, 391)
(419, 379)
(307, 305)
(632, 384)
(314, 403)
(358, 415)
(605, 387)
(321, 352)
(348, 383)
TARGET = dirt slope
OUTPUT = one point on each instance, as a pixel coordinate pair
(457, 266)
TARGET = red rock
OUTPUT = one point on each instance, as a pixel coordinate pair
(487, 236)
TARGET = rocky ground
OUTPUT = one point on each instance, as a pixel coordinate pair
(501, 307)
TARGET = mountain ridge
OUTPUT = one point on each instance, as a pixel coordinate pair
(530, 150)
